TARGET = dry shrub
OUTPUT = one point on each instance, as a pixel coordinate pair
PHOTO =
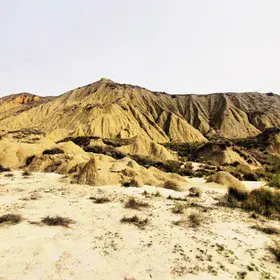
(132, 183)
(194, 220)
(135, 220)
(267, 230)
(172, 185)
(195, 192)
(178, 208)
(26, 173)
(263, 201)
(100, 200)
(275, 250)
(10, 219)
(57, 221)
(9, 175)
(238, 193)
(132, 203)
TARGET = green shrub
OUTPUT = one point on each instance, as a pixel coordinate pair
(263, 201)
(275, 181)
(108, 151)
(53, 151)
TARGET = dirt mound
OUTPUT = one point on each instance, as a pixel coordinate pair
(142, 145)
(226, 179)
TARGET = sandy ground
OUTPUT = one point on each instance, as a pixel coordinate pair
(99, 246)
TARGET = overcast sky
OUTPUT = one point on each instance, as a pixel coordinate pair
(178, 46)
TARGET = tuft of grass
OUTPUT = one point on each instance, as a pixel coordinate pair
(26, 173)
(178, 208)
(135, 220)
(172, 185)
(275, 250)
(10, 219)
(132, 203)
(9, 175)
(195, 192)
(267, 230)
(194, 220)
(100, 200)
(57, 221)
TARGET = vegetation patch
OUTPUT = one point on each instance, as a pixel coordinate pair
(4, 169)
(133, 203)
(54, 151)
(57, 221)
(172, 185)
(263, 201)
(135, 220)
(10, 219)
(100, 200)
(267, 230)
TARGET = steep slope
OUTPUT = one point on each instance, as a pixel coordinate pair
(108, 110)
(14, 104)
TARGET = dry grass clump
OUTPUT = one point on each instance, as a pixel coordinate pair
(195, 192)
(100, 200)
(275, 250)
(132, 203)
(172, 185)
(26, 173)
(10, 219)
(267, 230)
(4, 169)
(194, 220)
(135, 220)
(9, 175)
(54, 151)
(178, 208)
(131, 183)
(263, 201)
(57, 221)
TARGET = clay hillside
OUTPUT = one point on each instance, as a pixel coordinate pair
(107, 109)
(147, 132)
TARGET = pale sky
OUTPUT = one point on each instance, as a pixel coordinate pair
(178, 46)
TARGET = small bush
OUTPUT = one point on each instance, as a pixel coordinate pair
(172, 185)
(9, 175)
(109, 151)
(195, 192)
(237, 193)
(3, 169)
(275, 181)
(194, 220)
(132, 203)
(131, 183)
(29, 160)
(267, 230)
(100, 200)
(276, 251)
(26, 173)
(135, 220)
(57, 221)
(179, 208)
(53, 151)
(10, 219)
